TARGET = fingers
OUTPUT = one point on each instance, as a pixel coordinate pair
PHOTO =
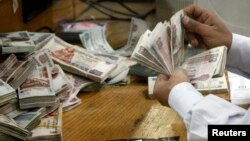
(194, 26)
(192, 39)
(180, 75)
(162, 77)
(193, 11)
(180, 70)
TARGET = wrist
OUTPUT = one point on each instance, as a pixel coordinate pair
(228, 41)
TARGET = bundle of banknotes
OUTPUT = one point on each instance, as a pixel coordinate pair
(163, 50)
(7, 93)
(217, 85)
(50, 127)
(9, 127)
(43, 88)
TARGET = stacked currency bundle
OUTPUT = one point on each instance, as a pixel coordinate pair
(40, 39)
(16, 42)
(50, 128)
(163, 50)
(8, 66)
(60, 82)
(37, 90)
(10, 127)
(5, 137)
(79, 61)
(21, 72)
(9, 107)
(7, 93)
(28, 120)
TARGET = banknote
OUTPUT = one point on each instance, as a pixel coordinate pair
(9, 107)
(177, 38)
(16, 42)
(59, 80)
(28, 120)
(79, 61)
(6, 66)
(80, 26)
(201, 67)
(10, 127)
(137, 28)
(95, 40)
(142, 55)
(151, 84)
(7, 93)
(42, 57)
(37, 90)
(216, 85)
(163, 50)
(50, 127)
(40, 39)
(239, 89)
(19, 75)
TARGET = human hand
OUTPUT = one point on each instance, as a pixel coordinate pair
(164, 84)
(205, 29)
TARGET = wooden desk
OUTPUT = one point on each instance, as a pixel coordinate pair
(120, 112)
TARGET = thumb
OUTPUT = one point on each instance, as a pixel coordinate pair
(194, 26)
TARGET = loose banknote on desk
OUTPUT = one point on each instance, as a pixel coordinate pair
(163, 50)
(239, 89)
(95, 39)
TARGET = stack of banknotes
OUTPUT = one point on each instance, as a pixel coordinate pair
(9, 127)
(163, 50)
(49, 129)
(28, 120)
(7, 93)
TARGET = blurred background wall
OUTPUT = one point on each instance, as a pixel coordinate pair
(235, 14)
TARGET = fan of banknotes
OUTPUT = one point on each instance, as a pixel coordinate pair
(163, 50)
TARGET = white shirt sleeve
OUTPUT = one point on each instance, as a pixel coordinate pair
(198, 111)
(238, 55)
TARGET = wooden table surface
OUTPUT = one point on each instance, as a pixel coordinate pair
(120, 113)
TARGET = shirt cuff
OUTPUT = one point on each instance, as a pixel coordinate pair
(236, 43)
(183, 97)
(239, 52)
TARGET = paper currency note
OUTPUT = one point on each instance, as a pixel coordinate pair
(137, 28)
(50, 127)
(79, 61)
(42, 58)
(95, 40)
(201, 67)
(177, 38)
(16, 42)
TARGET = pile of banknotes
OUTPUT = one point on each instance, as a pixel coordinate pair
(35, 91)
(41, 74)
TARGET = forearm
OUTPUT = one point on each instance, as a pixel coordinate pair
(198, 111)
